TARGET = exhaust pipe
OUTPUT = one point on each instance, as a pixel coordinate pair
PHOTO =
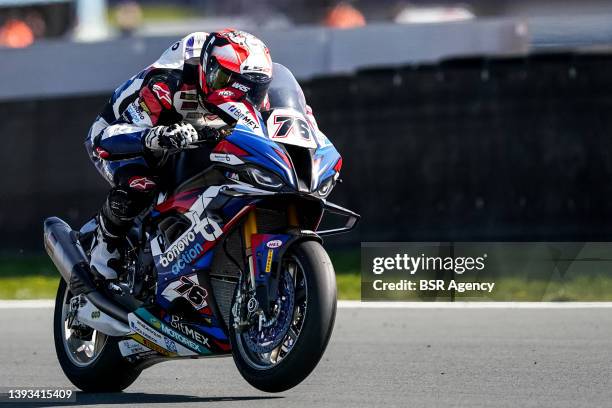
(65, 250)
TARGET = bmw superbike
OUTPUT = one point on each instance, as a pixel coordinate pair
(228, 262)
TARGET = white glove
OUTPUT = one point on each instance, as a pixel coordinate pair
(171, 138)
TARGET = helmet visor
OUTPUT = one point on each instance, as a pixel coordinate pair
(255, 86)
(258, 85)
(218, 78)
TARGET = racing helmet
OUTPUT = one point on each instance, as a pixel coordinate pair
(233, 58)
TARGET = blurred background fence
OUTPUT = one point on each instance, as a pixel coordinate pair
(486, 129)
(468, 149)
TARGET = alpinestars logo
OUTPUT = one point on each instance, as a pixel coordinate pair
(141, 183)
(163, 94)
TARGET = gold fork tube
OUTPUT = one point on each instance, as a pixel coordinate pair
(292, 216)
(250, 228)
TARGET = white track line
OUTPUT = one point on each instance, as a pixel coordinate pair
(27, 304)
(356, 304)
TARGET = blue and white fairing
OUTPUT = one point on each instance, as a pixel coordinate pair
(271, 145)
(288, 122)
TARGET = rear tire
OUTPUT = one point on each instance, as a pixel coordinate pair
(315, 332)
(107, 372)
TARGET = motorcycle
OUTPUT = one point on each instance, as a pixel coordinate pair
(229, 262)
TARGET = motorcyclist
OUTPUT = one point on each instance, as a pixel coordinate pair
(176, 101)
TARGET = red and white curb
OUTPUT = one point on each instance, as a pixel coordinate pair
(356, 304)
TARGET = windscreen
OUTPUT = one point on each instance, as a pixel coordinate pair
(284, 91)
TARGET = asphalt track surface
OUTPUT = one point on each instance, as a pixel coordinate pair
(376, 358)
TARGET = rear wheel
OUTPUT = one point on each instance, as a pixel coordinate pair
(90, 359)
(278, 357)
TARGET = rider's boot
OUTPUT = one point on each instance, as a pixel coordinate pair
(121, 207)
(105, 250)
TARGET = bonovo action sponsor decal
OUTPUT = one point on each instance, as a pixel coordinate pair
(175, 251)
(189, 246)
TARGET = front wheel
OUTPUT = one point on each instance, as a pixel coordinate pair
(281, 355)
(91, 360)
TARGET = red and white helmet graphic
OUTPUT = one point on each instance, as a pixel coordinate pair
(237, 59)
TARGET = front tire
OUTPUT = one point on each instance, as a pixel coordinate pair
(92, 366)
(316, 327)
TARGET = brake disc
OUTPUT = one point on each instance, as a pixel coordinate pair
(270, 336)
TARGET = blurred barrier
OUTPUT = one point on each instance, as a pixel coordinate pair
(470, 149)
(571, 30)
(488, 149)
(52, 69)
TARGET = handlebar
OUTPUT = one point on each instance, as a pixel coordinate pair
(210, 135)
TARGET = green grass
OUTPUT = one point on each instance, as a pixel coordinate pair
(35, 277)
(158, 12)
(27, 277)
(28, 287)
(575, 288)
(16, 266)
(581, 288)
(348, 278)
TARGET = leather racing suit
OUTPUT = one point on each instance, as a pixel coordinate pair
(162, 94)
(164, 109)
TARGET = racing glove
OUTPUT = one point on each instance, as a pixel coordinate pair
(214, 135)
(171, 138)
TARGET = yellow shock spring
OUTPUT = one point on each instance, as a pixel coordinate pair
(250, 228)
(292, 216)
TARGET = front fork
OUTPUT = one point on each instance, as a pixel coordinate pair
(250, 228)
(244, 307)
